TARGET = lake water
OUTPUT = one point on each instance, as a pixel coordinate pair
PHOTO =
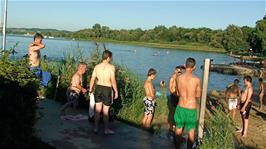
(137, 58)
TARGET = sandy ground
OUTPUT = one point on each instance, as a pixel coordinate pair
(256, 137)
(65, 134)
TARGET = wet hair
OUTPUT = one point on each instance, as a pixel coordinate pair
(38, 35)
(248, 78)
(260, 80)
(236, 81)
(151, 72)
(190, 62)
(106, 54)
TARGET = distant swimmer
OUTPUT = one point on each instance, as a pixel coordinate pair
(189, 92)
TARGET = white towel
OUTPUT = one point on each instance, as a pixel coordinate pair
(92, 104)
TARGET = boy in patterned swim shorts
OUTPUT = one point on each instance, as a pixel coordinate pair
(149, 100)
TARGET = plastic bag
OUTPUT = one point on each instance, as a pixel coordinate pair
(92, 104)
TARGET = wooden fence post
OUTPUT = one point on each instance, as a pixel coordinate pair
(203, 98)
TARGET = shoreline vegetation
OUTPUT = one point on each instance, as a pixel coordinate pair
(171, 46)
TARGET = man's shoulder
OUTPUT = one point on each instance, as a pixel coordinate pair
(195, 78)
(75, 76)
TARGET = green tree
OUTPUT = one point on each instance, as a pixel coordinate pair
(97, 30)
(233, 39)
(259, 37)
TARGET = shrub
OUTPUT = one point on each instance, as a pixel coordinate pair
(219, 131)
(18, 94)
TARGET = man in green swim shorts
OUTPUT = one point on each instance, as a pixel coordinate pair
(189, 91)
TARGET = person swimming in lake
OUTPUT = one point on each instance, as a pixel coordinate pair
(149, 99)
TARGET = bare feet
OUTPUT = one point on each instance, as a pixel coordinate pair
(239, 130)
(244, 135)
(109, 132)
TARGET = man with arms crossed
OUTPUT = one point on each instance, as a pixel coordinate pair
(246, 104)
(106, 83)
(173, 100)
(35, 53)
(149, 99)
(189, 91)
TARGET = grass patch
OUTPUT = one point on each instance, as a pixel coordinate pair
(219, 131)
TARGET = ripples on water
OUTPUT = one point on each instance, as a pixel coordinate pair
(138, 59)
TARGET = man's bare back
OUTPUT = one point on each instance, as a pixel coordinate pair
(188, 90)
(104, 72)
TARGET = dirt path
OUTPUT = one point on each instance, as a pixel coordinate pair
(256, 138)
(64, 134)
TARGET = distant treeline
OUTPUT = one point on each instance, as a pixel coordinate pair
(233, 38)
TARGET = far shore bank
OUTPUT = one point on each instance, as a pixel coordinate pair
(173, 46)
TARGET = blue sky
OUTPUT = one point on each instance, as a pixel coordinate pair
(75, 15)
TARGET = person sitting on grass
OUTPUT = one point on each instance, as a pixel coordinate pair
(149, 99)
(75, 88)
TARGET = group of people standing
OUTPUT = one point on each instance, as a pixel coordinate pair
(185, 91)
(104, 73)
(184, 88)
(242, 100)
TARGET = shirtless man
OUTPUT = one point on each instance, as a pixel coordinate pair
(35, 54)
(245, 105)
(75, 88)
(104, 73)
(173, 101)
(149, 99)
(189, 91)
(261, 93)
(232, 96)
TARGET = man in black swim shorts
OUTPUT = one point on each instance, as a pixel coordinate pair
(104, 73)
